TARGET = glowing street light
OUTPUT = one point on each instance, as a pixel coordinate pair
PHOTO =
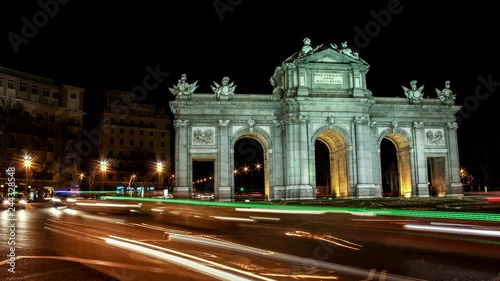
(159, 169)
(82, 175)
(27, 166)
(103, 167)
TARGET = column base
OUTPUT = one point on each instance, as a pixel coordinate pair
(368, 190)
(182, 192)
(225, 194)
(455, 189)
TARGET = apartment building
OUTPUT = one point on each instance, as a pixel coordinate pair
(40, 127)
(136, 141)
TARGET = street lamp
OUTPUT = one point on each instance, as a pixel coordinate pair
(104, 166)
(82, 175)
(159, 169)
(27, 165)
(134, 178)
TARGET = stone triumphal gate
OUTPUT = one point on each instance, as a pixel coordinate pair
(320, 94)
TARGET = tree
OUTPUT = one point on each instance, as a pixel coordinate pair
(93, 177)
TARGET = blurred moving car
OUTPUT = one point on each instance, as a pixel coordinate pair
(65, 199)
(16, 201)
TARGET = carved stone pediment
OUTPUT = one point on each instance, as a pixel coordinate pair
(330, 55)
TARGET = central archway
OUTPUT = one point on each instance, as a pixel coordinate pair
(337, 161)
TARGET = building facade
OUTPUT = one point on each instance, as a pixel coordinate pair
(41, 123)
(136, 141)
(320, 96)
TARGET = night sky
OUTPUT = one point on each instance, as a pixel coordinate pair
(100, 46)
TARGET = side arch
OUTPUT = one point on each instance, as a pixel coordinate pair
(402, 140)
(264, 139)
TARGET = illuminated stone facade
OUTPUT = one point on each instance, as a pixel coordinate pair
(320, 94)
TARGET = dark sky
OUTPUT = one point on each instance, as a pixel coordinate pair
(108, 44)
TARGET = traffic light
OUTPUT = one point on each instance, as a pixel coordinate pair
(242, 188)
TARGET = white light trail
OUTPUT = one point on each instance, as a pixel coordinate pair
(185, 262)
(454, 230)
(280, 211)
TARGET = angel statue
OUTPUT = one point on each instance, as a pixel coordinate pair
(446, 93)
(183, 87)
(414, 93)
(225, 89)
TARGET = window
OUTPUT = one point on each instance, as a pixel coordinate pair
(122, 131)
(162, 134)
(55, 95)
(151, 124)
(1, 82)
(131, 142)
(11, 84)
(70, 177)
(52, 118)
(131, 132)
(112, 120)
(34, 90)
(142, 123)
(141, 132)
(46, 92)
(141, 143)
(23, 87)
(150, 134)
(73, 96)
(112, 130)
(132, 122)
(121, 141)
(162, 144)
(39, 116)
(12, 143)
(70, 162)
(150, 144)
(111, 141)
(110, 153)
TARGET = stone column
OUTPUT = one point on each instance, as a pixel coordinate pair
(305, 187)
(224, 172)
(420, 169)
(456, 187)
(277, 167)
(365, 186)
(292, 188)
(182, 162)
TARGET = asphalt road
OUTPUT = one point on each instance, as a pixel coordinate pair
(181, 242)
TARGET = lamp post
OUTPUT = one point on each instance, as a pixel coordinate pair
(27, 166)
(134, 178)
(104, 166)
(82, 175)
(159, 169)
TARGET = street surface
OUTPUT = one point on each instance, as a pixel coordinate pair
(129, 241)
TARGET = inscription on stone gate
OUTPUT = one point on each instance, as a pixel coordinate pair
(328, 78)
